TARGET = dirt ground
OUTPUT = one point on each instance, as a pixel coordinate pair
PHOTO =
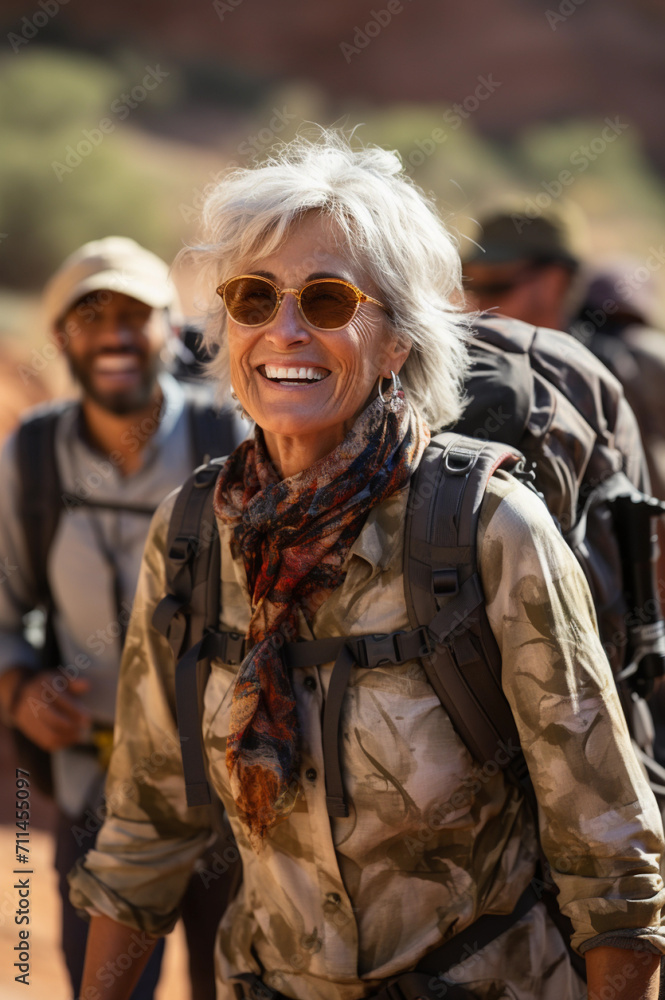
(48, 977)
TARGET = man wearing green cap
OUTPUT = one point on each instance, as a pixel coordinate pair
(133, 436)
(523, 267)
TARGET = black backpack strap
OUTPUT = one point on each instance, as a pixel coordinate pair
(443, 590)
(40, 506)
(451, 634)
(188, 615)
(213, 431)
(40, 503)
(190, 679)
(181, 616)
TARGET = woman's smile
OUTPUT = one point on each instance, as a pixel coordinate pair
(304, 386)
(293, 374)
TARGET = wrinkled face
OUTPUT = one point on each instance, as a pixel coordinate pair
(295, 380)
(113, 343)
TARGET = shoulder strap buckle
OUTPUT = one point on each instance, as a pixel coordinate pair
(375, 650)
(231, 647)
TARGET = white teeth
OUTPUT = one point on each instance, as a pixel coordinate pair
(295, 374)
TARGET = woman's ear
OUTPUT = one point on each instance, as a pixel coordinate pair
(397, 353)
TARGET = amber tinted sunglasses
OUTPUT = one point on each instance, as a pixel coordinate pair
(325, 303)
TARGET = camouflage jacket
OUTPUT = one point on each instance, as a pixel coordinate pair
(332, 907)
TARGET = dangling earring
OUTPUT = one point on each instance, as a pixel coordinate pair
(396, 394)
(244, 415)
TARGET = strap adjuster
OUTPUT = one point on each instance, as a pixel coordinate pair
(181, 549)
(204, 475)
(232, 647)
(168, 608)
(445, 581)
(458, 461)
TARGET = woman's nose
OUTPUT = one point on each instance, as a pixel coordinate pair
(287, 325)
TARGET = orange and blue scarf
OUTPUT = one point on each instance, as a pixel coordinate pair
(294, 536)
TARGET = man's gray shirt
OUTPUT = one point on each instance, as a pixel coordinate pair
(92, 546)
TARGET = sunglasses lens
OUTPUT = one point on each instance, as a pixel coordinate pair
(328, 305)
(250, 301)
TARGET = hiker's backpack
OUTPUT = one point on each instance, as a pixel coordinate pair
(190, 358)
(42, 502)
(569, 434)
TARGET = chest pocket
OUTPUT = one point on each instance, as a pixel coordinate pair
(401, 754)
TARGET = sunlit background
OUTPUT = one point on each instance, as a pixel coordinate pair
(114, 117)
(480, 100)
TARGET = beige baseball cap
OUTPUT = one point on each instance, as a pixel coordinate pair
(116, 263)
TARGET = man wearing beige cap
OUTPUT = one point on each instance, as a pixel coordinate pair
(80, 482)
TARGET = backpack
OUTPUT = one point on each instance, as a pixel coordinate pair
(572, 437)
(579, 449)
(190, 357)
(211, 430)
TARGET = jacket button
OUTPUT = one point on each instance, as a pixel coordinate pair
(310, 683)
(310, 774)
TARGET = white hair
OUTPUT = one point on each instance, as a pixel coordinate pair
(389, 227)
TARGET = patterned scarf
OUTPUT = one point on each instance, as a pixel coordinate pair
(294, 536)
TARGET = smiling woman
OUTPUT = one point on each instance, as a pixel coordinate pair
(363, 216)
(305, 417)
(336, 323)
